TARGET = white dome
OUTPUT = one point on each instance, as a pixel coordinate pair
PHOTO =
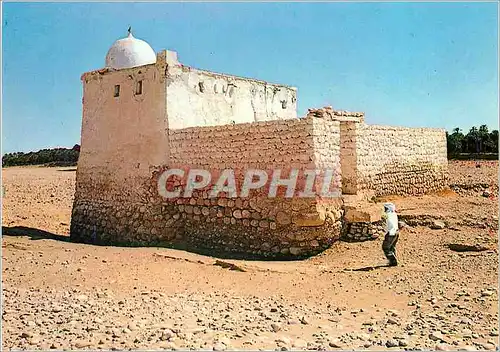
(130, 52)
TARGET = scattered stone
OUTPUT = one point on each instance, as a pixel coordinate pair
(169, 346)
(392, 321)
(219, 346)
(275, 327)
(487, 293)
(403, 343)
(442, 347)
(436, 336)
(437, 225)
(82, 344)
(283, 340)
(166, 335)
(462, 247)
(489, 346)
(336, 343)
(229, 266)
(82, 298)
(393, 313)
(392, 343)
(363, 336)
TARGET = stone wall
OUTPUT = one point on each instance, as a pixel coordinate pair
(348, 158)
(362, 221)
(202, 98)
(258, 224)
(385, 160)
(398, 160)
(189, 119)
(122, 137)
(253, 225)
(362, 231)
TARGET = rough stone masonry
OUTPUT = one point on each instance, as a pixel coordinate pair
(187, 118)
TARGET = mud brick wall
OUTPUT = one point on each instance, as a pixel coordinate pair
(202, 98)
(400, 161)
(250, 226)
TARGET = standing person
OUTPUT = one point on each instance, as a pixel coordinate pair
(391, 233)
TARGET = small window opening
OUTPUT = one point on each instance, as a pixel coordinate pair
(201, 86)
(117, 90)
(283, 104)
(138, 88)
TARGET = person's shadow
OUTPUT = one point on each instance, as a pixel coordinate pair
(368, 268)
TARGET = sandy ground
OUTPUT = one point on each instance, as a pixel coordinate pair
(63, 295)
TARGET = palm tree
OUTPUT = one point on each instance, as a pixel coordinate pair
(493, 140)
(455, 141)
(473, 140)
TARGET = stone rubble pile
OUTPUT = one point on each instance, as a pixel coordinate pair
(362, 231)
(329, 113)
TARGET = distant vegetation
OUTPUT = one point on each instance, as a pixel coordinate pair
(48, 157)
(478, 143)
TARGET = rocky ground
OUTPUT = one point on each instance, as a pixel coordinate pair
(62, 295)
(471, 177)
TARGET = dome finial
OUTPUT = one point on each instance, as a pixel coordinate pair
(130, 52)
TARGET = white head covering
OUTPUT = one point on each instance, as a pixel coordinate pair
(389, 208)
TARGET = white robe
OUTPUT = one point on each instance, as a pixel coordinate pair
(391, 223)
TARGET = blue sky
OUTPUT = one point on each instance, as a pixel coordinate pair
(410, 64)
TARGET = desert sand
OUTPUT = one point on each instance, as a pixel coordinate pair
(65, 296)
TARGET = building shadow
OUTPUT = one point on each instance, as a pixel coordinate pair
(37, 234)
(220, 254)
(32, 233)
(68, 170)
